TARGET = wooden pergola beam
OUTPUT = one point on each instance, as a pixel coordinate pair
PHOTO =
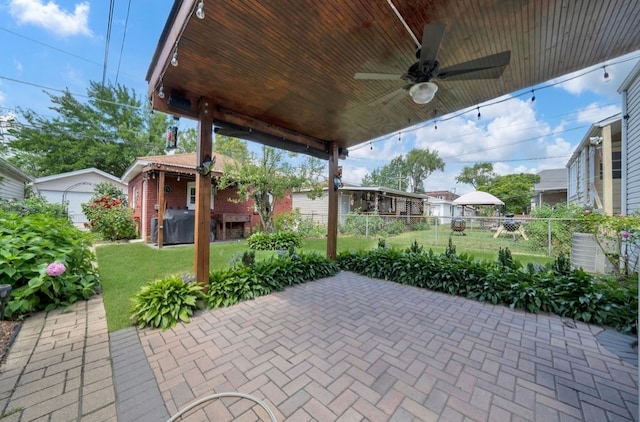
(202, 239)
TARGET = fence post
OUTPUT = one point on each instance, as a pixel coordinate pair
(366, 225)
(549, 236)
(435, 242)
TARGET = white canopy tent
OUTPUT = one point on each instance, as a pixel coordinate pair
(477, 198)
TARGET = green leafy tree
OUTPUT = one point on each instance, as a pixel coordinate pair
(267, 178)
(107, 131)
(187, 141)
(232, 147)
(406, 173)
(480, 174)
(515, 190)
(393, 175)
(420, 164)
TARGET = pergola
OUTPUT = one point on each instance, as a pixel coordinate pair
(283, 72)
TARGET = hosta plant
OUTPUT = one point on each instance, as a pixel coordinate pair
(162, 303)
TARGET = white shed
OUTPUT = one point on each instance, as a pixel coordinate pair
(75, 188)
(12, 181)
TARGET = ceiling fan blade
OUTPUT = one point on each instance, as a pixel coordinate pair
(389, 98)
(488, 67)
(378, 76)
(431, 39)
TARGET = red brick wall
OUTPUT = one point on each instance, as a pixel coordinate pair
(177, 199)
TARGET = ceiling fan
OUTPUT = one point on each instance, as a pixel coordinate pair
(420, 75)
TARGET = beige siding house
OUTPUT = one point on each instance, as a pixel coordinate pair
(595, 168)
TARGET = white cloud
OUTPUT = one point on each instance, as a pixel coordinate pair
(51, 17)
(594, 113)
(504, 131)
(592, 78)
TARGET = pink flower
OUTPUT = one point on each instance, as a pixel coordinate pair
(56, 269)
(626, 234)
(604, 232)
(587, 212)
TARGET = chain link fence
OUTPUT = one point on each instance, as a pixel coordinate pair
(523, 234)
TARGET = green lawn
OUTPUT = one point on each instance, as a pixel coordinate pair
(125, 267)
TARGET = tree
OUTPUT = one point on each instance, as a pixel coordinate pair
(108, 132)
(420, 163)
(393, 176)
(481, 174)
(187, 141)
(406, 173)
(268, 178)
(232, 147)
(515, 190)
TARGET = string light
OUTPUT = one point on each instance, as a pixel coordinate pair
(435, 126)
(399, 136)
(200, 10)
(479, 115)
(606, 74)
(174, 58)
(533, 98)
(370, 146)
(161, 91)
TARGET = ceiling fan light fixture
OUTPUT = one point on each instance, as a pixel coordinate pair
(423, 92)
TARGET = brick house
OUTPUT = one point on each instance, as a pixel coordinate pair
(230, 220)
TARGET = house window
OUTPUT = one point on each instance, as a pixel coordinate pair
(616, 165)
(191, 195)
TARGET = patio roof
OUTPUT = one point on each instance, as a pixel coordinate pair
(282, 72)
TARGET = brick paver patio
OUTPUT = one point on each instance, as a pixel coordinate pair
(349, 348)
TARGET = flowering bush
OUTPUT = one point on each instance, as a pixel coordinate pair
(110, 218)
(47, 261)
(618, 236)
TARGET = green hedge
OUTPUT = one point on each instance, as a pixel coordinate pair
(574, 294)
(274, 241)
(162, 303)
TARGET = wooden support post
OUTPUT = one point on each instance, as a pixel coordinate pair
(160, 209)
(202, 238)
(607, 170)
(332, 221)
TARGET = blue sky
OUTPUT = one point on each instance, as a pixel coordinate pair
(58, 44)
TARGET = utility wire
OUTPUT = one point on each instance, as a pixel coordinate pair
(124, 36)
(107, 41)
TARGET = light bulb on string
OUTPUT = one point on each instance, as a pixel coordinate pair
(200, 10)
(161, 91)
(174, 59)
(479, 115)
(370, 146)
(606, 74)
(533, 96)
(399, 136)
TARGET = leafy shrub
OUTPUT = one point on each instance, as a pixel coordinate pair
(232, 285)
(575, 294)
(395, 227)
(563, 225)
(273, 241)
(108, 213)
(421, 225)
(34, 205)
(294, 221)
(362, 224)
(28, 244)
(162, 303)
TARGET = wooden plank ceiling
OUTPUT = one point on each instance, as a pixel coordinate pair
(282, 71)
